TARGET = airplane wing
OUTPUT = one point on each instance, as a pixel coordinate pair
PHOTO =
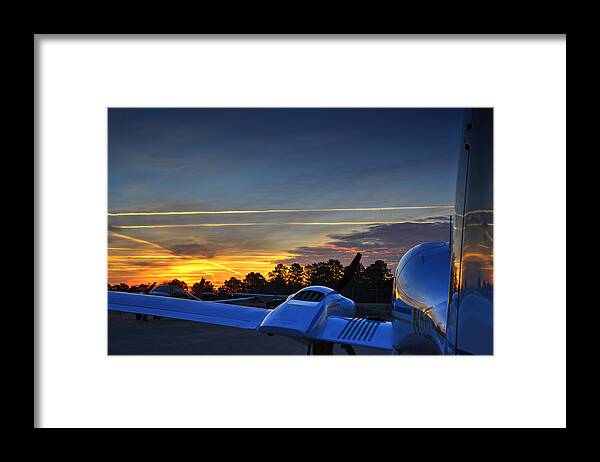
(336, 329)
(235, 301)
(244, 317)
(356, 331)
(271, 296)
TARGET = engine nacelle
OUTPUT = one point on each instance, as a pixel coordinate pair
(306, 310)
(420, 297)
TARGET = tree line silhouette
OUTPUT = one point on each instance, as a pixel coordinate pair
(370, 284)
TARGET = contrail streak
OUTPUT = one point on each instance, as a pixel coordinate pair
(302, 223)
(141, 241)
(240, 212)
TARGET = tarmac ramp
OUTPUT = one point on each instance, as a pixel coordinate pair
(129, 336)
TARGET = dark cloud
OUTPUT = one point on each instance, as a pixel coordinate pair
(442, 218)
(400, 236)
(379, 242)
(307, 254)
(193, 250)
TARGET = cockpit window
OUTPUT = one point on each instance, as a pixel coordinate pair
(308, 296)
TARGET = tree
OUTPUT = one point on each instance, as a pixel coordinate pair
(222, 292)
(336, 269)
(232, 285)
(295, 277)
(198, 288)
(208, 286)
(368, 284)
(122, 287)
(359, 276)
(277, 278)
(144, 287)
(254, 282)
(178, 283)
(378, 274)
(203, 286)
(324, 273)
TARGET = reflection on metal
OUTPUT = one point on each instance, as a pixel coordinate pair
(470, 310)
(420, 296)
(443, 291)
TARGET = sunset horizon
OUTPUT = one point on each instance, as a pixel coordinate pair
(219, 193)
(218, 269)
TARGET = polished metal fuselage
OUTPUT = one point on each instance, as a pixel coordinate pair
(443, 291)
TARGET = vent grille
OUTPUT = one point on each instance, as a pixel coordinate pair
(359, 329)
(309, 296)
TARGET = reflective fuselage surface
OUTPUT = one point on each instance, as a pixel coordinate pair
(470, 301)
(420, 298)
(443, 291)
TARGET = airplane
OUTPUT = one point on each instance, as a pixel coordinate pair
(442, 300)
(237, 298)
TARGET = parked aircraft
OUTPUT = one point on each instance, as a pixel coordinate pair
(442, 291)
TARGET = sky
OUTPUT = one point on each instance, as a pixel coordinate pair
(217, 193)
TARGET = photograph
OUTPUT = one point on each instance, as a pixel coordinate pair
(300, 231)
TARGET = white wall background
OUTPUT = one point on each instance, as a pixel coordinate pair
(523, 384)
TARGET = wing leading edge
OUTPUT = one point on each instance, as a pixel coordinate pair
(243, 317)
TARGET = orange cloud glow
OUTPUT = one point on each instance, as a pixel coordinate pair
(151, 262)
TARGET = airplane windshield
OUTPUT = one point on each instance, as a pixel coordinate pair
(309, 296)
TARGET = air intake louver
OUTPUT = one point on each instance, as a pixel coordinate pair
(359, 329)
(309, 296)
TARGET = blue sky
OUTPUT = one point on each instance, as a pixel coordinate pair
(252, 160)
